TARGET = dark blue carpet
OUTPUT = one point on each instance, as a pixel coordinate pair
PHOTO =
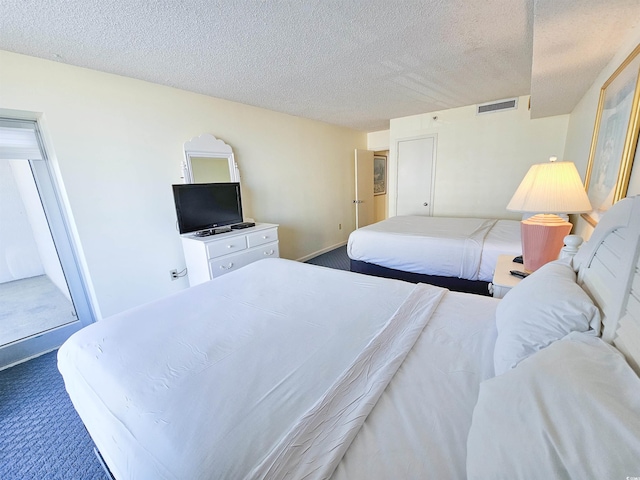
(41, 435)
(336, 258)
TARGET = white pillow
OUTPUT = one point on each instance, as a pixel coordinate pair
(571, 410)
(541, 309)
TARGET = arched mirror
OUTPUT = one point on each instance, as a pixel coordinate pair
(208, 160)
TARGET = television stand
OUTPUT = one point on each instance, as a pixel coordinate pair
(213, 254)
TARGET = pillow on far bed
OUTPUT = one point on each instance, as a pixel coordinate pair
(542, 308)
(571, 410)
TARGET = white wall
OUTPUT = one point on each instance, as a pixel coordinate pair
(378, 141)
(117, 144)
(582, 122)
(480, 159)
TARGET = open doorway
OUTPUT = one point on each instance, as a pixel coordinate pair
(43, 296)
(371, 186)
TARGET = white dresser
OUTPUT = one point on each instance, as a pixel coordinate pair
(215, 255)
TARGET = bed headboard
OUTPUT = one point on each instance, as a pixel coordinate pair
(609, 270)
(628, 333)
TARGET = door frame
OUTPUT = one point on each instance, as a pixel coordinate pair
(49, 185)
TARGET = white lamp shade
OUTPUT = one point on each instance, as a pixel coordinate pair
(551, 187)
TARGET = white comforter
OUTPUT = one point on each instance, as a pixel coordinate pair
(418, 429)
(452, 247)
(236, 377)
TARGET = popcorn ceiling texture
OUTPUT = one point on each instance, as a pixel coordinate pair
(354, 63)
(572, 42)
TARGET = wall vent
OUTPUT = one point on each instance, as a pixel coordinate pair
(498, 106)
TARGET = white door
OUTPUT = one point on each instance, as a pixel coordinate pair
(416, 160)
(364, 188)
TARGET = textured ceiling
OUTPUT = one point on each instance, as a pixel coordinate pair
(572, 42)
(354, 63)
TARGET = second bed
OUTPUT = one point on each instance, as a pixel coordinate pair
(457, 253)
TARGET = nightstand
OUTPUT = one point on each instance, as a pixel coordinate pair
(503, 281)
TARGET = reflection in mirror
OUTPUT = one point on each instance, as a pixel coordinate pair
(209, 169)
(207, 160)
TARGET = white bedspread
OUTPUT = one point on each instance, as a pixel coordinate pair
(451, 247)
(231, 378)
(418, 429)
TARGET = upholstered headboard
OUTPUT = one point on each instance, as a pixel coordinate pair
(609, 270)
(628, 333)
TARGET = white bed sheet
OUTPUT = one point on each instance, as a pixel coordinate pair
(418, 429)
(140, 408)
(451, 247)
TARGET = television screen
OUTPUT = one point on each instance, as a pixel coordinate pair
(201, 206)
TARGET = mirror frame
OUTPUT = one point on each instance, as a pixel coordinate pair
(204, 146)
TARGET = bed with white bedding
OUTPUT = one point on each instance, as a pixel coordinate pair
(457, 253)
(328, 374)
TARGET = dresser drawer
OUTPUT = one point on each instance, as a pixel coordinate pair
(266, 251)
(262, 237)
(229, 263)
(226, 246)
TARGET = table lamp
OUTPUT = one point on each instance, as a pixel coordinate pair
(547, 189)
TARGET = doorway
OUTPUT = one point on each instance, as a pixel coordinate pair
(370, 187)
(43, 296)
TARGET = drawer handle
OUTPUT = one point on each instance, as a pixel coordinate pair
(229, 246)
(222, 267)
(269, 253)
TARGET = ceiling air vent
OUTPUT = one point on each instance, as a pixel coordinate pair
(499, 106)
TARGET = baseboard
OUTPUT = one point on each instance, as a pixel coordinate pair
(320, 252)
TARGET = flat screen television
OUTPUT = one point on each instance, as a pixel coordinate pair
(202, 206)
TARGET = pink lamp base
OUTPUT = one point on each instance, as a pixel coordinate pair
(542, 239)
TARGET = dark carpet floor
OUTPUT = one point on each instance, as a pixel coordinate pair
(41, 435)
(337, 258)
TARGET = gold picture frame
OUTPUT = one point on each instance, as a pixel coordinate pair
(615, 138)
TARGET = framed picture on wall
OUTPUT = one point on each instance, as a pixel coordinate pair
(615, 138)
(379, 175)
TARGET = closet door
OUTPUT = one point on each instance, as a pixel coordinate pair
(416, 162)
